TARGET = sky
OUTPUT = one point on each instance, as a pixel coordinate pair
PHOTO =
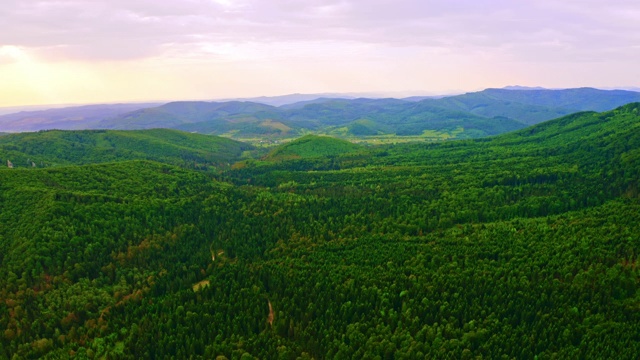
(92, 51)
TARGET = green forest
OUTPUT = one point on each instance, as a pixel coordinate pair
(170, 245)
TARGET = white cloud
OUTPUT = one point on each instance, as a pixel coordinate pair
(125, 29)
(12, 54)
(326, 45)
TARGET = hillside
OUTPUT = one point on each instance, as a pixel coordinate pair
(312, 146)
(536, 105)
(487, 104)
(427, 115)
(48, 148)
(67, 118)
(522, 245)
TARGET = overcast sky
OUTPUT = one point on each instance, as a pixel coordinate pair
(81, 51)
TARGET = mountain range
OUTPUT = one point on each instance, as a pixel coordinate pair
(65, 118)
(470, 115)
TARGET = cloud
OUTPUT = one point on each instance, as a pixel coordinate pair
(546, 30)
(11, 54)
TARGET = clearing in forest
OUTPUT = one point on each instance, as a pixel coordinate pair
(201, 285)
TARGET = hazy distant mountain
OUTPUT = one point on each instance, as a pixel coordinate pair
(174, 114)
(17, 109)
(534, 106)
(293, 98)
(341, 111)
(68, 118)
(486, 104)
(518, 87)
(359, 117)
(420, 98)
(301, 104)
(580, 99)
(627, 88)
(475, 114)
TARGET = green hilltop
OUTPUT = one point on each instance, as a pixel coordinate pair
(313, 146)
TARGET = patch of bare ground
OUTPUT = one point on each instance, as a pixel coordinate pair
(201, 285)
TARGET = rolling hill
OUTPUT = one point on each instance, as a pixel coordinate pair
(56, 147)
(312, 146)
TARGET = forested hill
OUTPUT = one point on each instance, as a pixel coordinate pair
(55, 147)
(523, 246)
(589, 136)
(312, 146)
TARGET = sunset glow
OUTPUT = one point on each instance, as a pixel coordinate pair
(54, 52)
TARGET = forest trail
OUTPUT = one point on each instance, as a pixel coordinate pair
(271, 315)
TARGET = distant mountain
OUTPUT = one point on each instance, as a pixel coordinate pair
(301, 104)
(420, 98)
(68, 118)
(292, 98)
(436, 115)
(57, 147)
(17, 109)
(534, 106)
(470, 115)
(477, 114)
(518, 87)
(340, 111)
(175, 114)
(392, 116)
(485, 104)
(581, 99)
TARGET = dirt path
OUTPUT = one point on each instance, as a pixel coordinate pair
(271, 315)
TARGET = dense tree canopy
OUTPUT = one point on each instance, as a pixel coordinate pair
(519, 246)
